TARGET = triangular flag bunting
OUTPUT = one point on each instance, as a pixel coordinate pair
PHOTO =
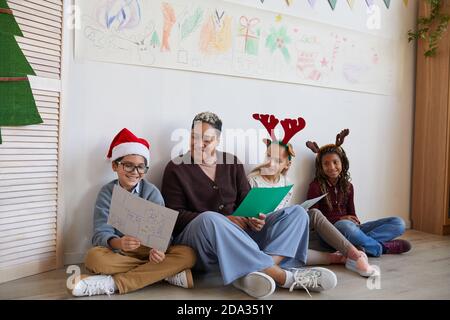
(289, 2)
(332, 3)
(351, 3)
(370, 2)
(387, 3)
(312, 3)
(405, 2)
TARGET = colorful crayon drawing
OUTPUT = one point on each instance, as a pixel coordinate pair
(119, 14)
(340, 44)
(278, 40)
(191, 23)
(169, 21)
(251, 34)
(313, 64)
(154, 41)
(188, 23)
(307, 65)
(216, 37)
(226, 38)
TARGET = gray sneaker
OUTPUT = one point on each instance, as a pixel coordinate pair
(313, 279)
(256, 284)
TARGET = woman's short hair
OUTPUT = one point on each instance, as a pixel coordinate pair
(209, 118)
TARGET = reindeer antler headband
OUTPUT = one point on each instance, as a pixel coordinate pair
(290, 126)
(339, 141)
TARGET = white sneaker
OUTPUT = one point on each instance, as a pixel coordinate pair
(256, 284)
(182, 279)
(94, 285)
(312, 279)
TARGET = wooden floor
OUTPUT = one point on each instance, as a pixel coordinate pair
(423, 273)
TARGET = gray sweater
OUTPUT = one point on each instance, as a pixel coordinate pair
(102, 230)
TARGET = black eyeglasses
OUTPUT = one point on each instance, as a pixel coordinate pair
(129, 167)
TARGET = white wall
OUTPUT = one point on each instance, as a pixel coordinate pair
(102, 98)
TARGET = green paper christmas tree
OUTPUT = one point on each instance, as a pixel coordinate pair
(17, 105)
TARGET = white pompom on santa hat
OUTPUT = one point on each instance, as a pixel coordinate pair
(126, 143)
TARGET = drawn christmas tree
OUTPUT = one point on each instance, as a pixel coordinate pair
(17, 105)
(155, 42)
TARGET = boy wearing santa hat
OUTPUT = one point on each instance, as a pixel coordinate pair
(121, 263)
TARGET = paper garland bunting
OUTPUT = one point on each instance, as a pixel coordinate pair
(332, 3)
(351, 3)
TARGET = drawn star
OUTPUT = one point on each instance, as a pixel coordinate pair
(324, 62)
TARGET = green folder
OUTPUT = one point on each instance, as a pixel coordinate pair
(261, 200)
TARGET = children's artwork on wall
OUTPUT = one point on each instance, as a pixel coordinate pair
(224, 38)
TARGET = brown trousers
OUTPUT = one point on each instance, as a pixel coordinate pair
(133, 270)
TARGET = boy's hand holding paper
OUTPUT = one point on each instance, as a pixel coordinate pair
(146, 221)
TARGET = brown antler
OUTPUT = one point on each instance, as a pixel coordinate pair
(268, 121)
(291, 127)
(341, 136)
(313, 146)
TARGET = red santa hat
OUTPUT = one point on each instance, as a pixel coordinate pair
(126, 143)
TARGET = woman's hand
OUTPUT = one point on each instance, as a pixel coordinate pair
(351, 218)
(156, 256)
(240, 221)
(256, 224)
(128, 243)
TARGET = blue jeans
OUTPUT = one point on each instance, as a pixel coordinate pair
(371, 235)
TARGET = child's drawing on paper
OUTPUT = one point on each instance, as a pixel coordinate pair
(216, 34)
(227, 38)
(250, 33)
(138, 45)
(278, 41)
(118, 26)
(357, 63)
(339, 43)
(154, 41)
(307, 67)
(119, 14)
(169, 21)
(188, 23)
(312, 62)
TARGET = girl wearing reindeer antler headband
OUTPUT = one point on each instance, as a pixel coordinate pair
(273, 173)
(333, 178)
